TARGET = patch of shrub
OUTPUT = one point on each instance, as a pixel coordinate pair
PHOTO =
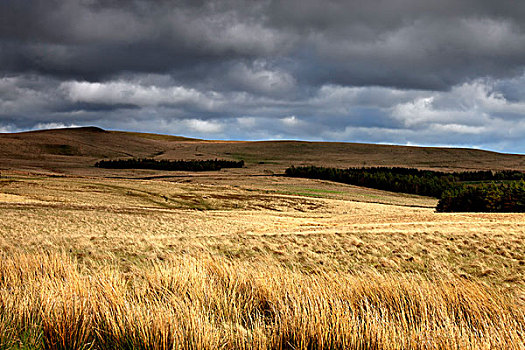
(184, 165)
(62, 150)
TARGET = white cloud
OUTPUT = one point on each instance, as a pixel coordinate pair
(203, 126)
(417, 111)
(458, 128)
(477, 113)
(290, 121)
(42, 126)
(336, 99)
(481, 96)
(127, 92)
(8, 128)
(474, 105)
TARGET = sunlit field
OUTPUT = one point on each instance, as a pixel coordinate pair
(243, 174)
(263, 262)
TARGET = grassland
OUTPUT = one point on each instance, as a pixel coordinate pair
(228, 261)
(74, 151)
(244, 258)
(53, 302)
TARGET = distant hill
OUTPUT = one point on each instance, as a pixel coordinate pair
(75, 150)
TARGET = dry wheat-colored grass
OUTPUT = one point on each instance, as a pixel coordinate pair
(195, 263)
(51, 301)
(334, 230)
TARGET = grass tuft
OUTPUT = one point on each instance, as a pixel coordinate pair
(51, 301)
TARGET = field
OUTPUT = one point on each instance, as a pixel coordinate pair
(245, 258)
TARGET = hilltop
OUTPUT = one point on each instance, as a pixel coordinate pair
(75, 150)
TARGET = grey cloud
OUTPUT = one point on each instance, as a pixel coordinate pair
(475, 113)
(78, 39)
(399, 71)
(401, 43)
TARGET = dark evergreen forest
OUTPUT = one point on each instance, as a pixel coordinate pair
(491, 197)
(185, 165)
(458, 191)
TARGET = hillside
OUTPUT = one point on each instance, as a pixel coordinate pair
(75, 150)
(236, 259)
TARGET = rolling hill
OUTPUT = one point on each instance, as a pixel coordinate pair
(113, 258)
(75, 150)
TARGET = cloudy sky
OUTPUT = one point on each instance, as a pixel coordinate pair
(416, 72)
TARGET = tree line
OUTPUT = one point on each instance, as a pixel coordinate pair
(491, 197)
(184, 165)
(406, 180)
(454, 193)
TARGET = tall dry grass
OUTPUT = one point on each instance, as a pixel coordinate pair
(51, 301)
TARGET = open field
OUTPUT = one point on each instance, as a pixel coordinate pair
(272, 264)
(308, 227)
(244, 258)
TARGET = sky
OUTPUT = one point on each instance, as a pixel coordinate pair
(409, 72)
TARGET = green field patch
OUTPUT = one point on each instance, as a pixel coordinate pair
(319, 190)
(298, 193)
(251, 158)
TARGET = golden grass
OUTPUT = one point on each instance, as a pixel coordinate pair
(200, 263)
(51, 301)
(142, 220)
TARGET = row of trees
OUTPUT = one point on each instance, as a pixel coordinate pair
(477, 175)
(489, 175)
(414, 181)
(507, 197)
(454, 193)
(185, 165)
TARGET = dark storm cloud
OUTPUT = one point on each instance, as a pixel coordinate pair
(95, 40)
(402, 43)
(399, 71)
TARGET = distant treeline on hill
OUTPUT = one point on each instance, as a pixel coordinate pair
(450, 187)
(506, 197)
(406, 180)
(185, 165)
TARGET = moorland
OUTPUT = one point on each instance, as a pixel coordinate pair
(246, 257)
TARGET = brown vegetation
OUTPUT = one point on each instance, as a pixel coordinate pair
(50, 301)
(243, 259)
(74, 151)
